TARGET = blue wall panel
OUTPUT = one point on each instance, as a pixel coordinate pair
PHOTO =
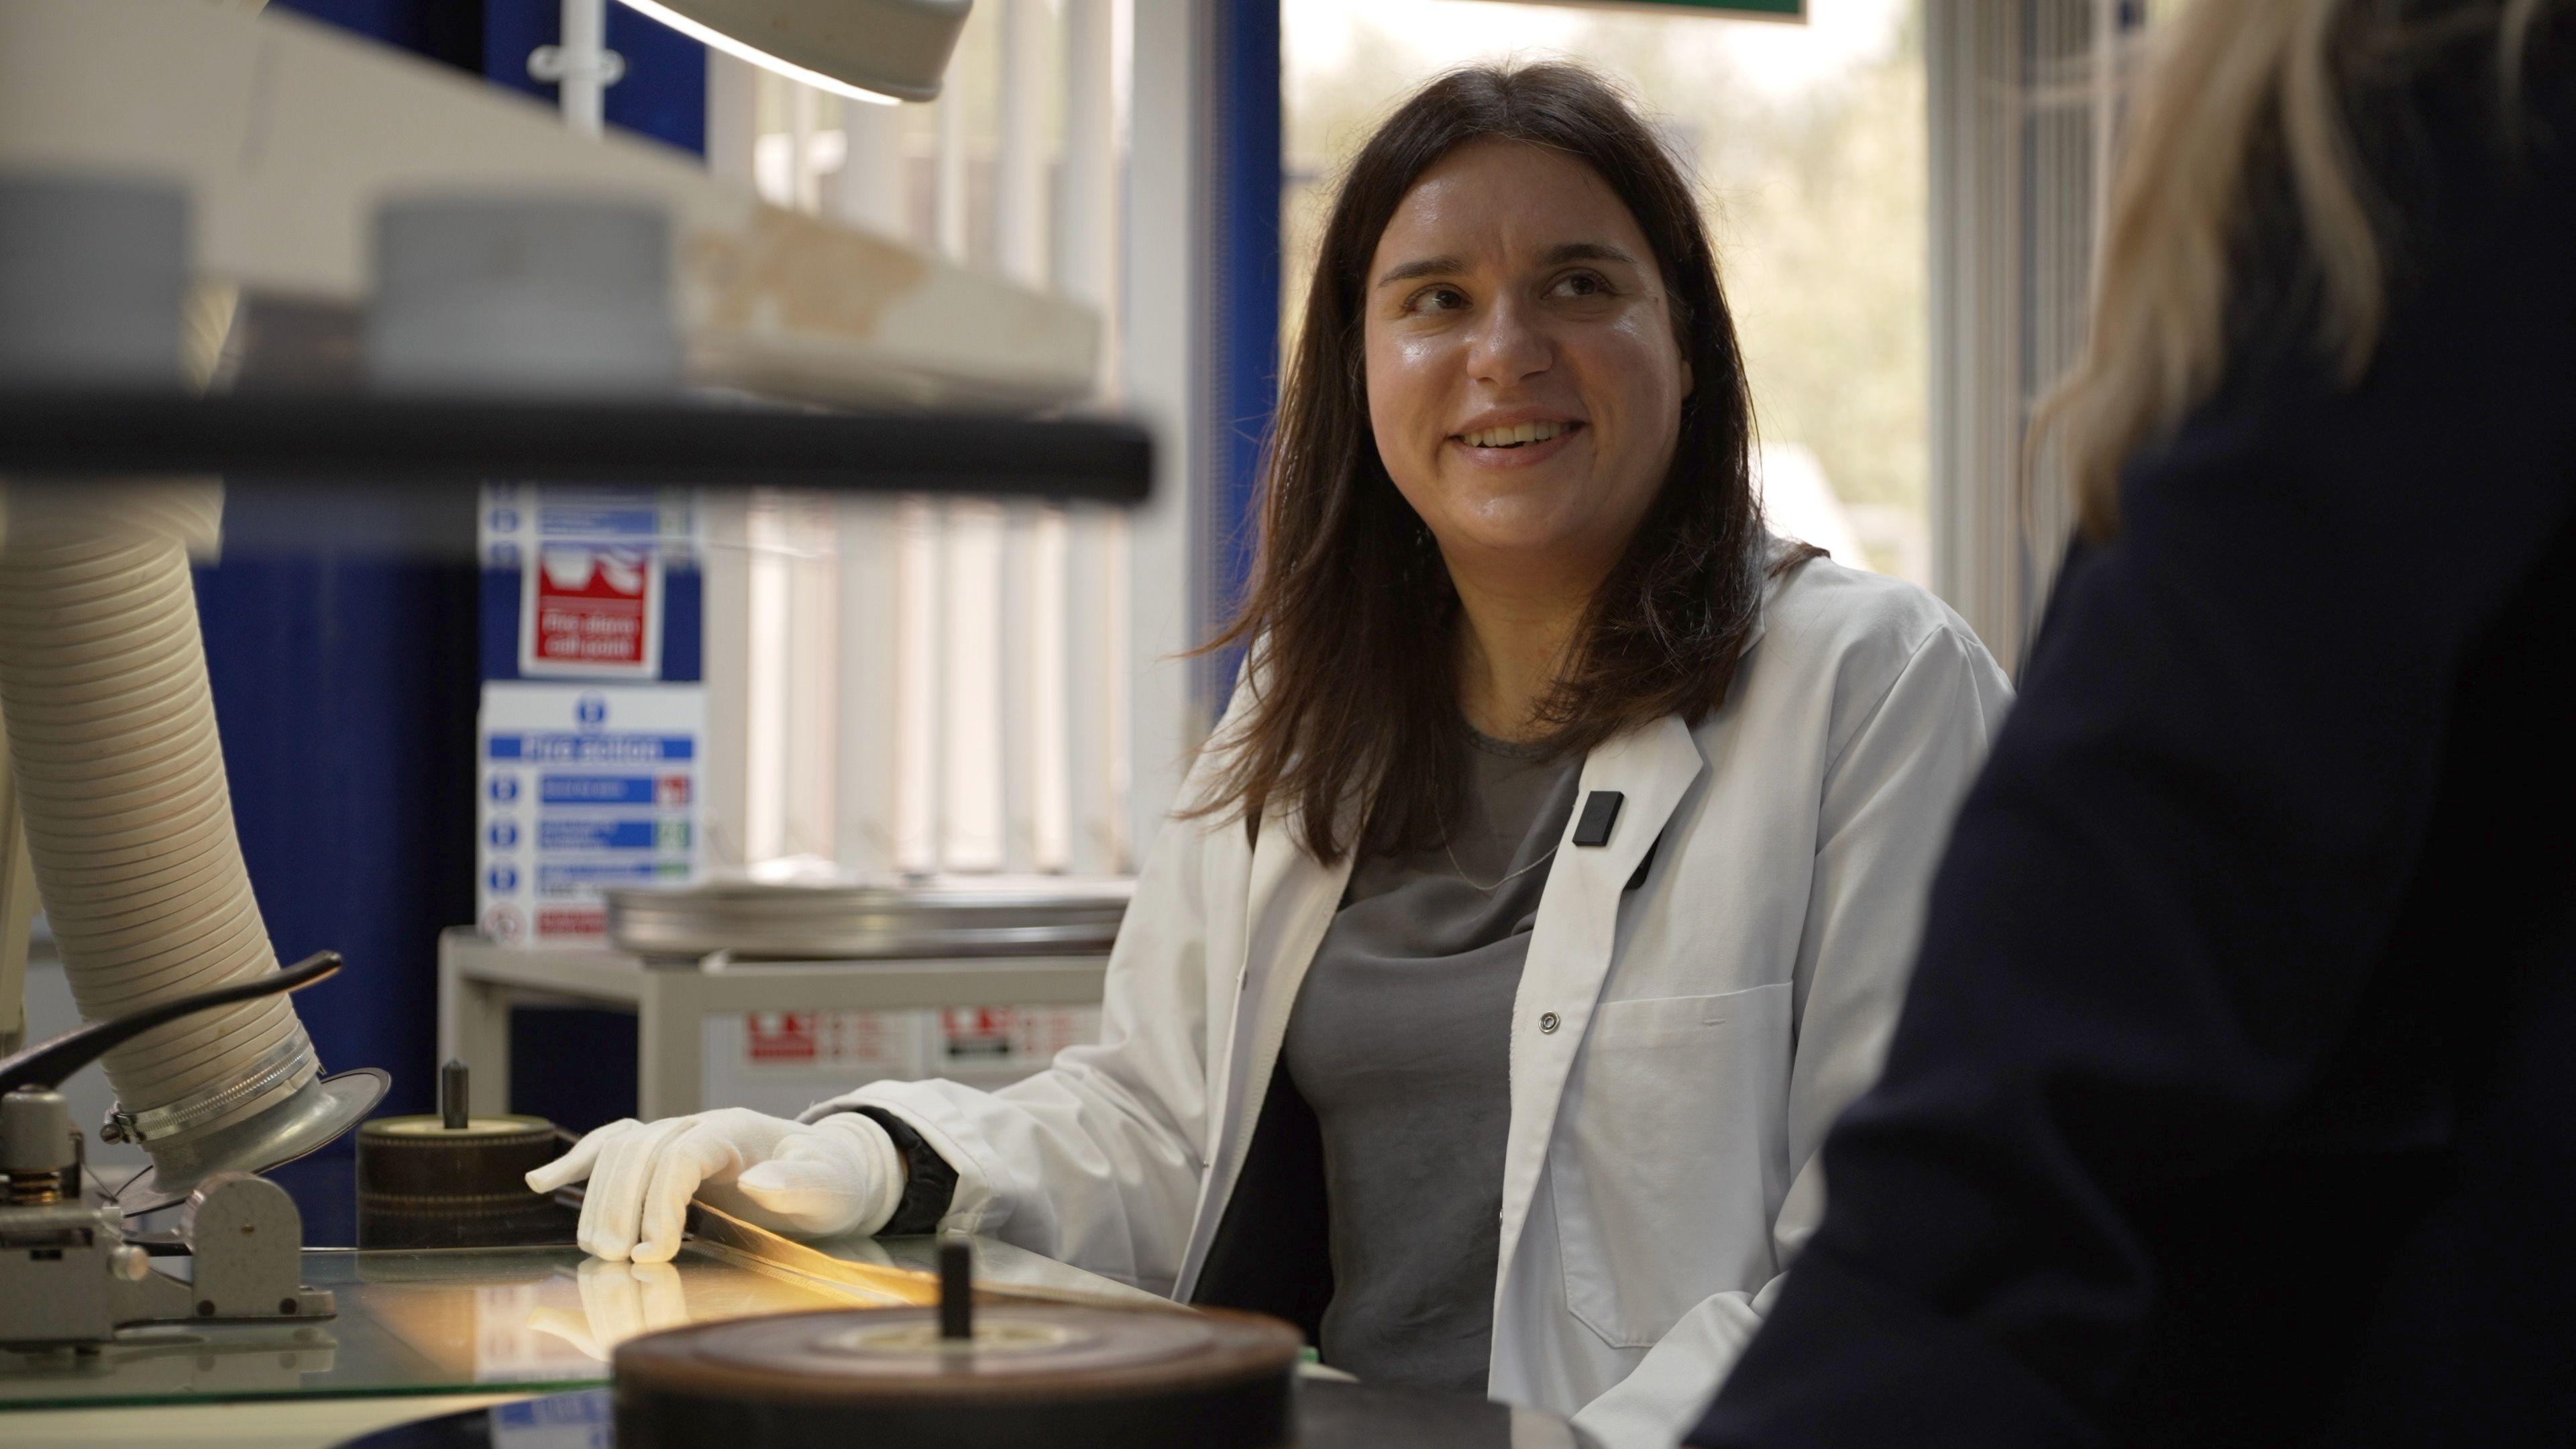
(1243, 302)
(444, 30)
(341, 654)
(344, 689)
(664, 92)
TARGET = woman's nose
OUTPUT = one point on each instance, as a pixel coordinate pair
(1508, 345)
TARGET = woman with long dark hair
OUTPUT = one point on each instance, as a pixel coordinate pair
(1548, 886)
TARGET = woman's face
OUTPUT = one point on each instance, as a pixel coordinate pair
(1524, 381)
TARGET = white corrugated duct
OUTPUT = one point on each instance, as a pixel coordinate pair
(110, 723)
(120, 781)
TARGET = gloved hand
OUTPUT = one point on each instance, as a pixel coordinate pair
(809, 1180)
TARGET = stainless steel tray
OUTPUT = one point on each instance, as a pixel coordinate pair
(937, 918)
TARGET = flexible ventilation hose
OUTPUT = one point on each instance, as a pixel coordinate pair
(120, 776)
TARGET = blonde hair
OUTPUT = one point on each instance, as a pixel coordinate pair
(2231, 77)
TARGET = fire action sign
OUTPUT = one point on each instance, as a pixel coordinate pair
(584, 787)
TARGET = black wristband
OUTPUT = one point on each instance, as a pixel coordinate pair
(929, 1183)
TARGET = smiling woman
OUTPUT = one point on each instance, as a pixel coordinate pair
(1482, 1090)
(1511, 250)
(1526, 386)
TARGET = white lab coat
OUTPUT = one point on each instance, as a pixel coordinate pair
(1677, 1051)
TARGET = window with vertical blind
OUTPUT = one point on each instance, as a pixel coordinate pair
(2023, 108)
(1807, 143)
(933, 685)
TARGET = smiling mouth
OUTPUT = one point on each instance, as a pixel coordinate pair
(1517, 435)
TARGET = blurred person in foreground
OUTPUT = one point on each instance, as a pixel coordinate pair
(2234, 1101)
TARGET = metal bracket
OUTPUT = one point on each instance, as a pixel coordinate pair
(549, 63)
(68, 1276)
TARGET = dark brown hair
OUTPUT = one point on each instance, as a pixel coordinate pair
(1350, 618)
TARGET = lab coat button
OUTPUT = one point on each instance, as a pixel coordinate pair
(1547, 1023)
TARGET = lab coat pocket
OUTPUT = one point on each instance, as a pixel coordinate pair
(1671, 1156)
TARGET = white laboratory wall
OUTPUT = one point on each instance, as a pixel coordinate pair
(1161, 309)
(960, 685)
(783, 1062)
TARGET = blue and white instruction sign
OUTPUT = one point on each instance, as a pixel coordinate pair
(583, 787)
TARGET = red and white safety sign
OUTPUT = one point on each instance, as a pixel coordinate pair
(592, 610)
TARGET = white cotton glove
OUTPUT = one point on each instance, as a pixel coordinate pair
(808, 1180)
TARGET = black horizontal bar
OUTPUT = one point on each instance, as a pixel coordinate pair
(358, 438)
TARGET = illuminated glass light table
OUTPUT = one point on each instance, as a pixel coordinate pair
(425, 1332)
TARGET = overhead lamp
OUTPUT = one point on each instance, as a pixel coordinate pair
(868, 50)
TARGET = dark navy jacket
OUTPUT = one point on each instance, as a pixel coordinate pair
(2234, 1102)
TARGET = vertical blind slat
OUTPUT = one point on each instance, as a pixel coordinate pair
(933, 684)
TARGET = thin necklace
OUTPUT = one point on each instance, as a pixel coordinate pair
(1506, 880)
(1452, 850)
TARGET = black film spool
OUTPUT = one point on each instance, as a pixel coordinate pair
(1062, 1376)
(422, 1184)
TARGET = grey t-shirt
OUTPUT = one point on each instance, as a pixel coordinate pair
(1400, 1041)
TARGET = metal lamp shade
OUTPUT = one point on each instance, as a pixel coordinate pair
(894, 48)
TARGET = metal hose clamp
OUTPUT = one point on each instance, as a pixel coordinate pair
(283, 1068)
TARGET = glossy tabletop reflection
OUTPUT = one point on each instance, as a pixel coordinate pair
(441, 1321)
(1330, 1415)
(463, 1320)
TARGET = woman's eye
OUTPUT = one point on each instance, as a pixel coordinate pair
(1437, 299)
(1581, 284)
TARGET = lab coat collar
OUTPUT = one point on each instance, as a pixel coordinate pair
(1573, 939)
(1293, 897)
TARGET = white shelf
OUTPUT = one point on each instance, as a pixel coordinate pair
(288, 133)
